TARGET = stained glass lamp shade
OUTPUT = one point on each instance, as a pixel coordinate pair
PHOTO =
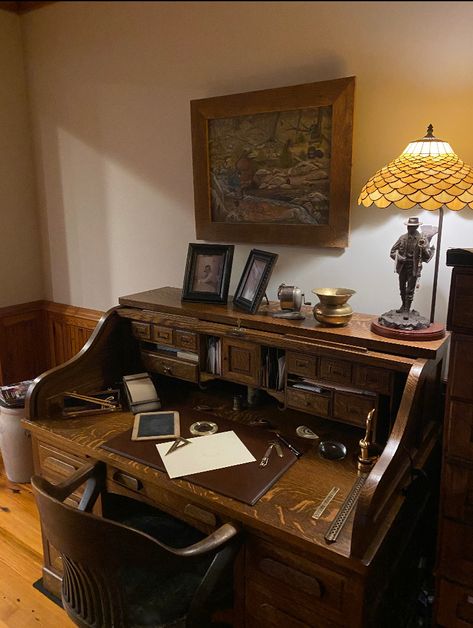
(427, 174)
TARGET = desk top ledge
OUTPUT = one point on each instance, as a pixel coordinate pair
(357, 332)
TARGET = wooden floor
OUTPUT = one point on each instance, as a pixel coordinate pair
(22, 606)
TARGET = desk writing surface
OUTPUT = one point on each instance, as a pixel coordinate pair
(285, 509)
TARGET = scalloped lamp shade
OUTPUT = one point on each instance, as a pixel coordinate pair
(428, 174)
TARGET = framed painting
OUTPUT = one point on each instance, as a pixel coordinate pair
(254, 280)
(207, 274)
(274, 166)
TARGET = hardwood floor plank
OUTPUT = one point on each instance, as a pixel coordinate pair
(22, 606)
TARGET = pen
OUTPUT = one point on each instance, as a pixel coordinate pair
(293, 449)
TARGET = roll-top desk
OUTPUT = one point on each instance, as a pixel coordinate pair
(201, 355)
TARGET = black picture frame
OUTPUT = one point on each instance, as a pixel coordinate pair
(207, 274)
(254, 280)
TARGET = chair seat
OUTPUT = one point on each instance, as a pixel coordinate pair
(158, 598)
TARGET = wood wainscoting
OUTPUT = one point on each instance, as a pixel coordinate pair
(36, 336)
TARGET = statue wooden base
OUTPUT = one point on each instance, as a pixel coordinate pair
(435, 331)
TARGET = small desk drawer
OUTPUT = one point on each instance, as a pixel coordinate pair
(168, 366)
(352, 408)
(185, 339)
(300, 364)
(162, 335)
(336, 371)
(372, 378)
(293, 585)
(455, 608)
(308, 402)
(141, 330)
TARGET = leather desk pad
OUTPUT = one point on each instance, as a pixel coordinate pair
(245, 482)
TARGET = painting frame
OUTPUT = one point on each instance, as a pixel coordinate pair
(249, 293)
(338, 95)
(207, 273)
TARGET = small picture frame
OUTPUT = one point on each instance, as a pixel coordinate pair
(207, 274)
(156, 426)
(254, 280)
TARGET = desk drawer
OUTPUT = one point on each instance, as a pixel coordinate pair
(300, 364)
(168, 366)
(455, 608)
(456, 551)
(372, 378)
(279, 582)
(460, 430)
(186, 340)
(352, 408)
(162, 335)
(314, 403)
(336, 371)
(458, 499)
(126, 483)
(57, 465)
(141, 330)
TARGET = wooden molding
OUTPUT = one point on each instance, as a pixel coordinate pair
(22, 7)
(38, 335)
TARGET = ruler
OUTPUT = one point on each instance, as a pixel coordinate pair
(326, 501)
(345, 510)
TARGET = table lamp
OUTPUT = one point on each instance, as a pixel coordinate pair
(430, 175)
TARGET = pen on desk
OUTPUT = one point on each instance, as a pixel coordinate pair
(293, 449)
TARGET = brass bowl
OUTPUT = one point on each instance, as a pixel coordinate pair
(333, 309)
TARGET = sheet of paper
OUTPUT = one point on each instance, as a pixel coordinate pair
(205, 453)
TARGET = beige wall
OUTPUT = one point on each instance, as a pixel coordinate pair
(20, 263)
(110, 85)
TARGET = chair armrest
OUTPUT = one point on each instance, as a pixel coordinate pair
(217, 539)
(92, 475)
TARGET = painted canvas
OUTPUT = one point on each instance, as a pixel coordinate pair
(271, 167)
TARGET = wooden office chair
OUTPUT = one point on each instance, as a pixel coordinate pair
(117, 576)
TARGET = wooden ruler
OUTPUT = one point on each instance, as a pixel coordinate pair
(342, 516)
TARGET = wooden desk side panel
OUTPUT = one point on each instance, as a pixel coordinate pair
(405, 447)
(110, 353)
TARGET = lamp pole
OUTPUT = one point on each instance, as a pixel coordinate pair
(436, 269)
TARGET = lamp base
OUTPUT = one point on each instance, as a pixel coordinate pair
(434, 331)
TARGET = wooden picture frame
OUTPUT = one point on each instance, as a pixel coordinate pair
(207, 274)
(274, 166)
(254, 280)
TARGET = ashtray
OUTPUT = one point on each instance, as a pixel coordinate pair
(203, 428)
(332, 450)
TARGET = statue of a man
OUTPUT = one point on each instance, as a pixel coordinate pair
(409, 252)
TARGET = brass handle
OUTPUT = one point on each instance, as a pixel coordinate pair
(167, 370)
(127, 481)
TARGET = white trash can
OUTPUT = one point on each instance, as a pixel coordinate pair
(15, 444)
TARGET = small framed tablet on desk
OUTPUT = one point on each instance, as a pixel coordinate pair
(156, 426)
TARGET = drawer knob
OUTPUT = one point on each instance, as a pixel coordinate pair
(127, 481)
(167, 370)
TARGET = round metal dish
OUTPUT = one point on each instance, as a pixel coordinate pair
(203, 428)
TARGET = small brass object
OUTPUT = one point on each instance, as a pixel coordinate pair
(367, 457)
(333, 309)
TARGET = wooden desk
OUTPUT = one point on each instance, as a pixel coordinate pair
(286, 575)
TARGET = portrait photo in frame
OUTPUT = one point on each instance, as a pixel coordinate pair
(254, 280)
(274, 165)
(207, 274)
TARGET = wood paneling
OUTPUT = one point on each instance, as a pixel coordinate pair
(23, 7)
(68, 329)
(39, 335)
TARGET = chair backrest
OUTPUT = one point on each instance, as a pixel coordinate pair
(97, 553)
